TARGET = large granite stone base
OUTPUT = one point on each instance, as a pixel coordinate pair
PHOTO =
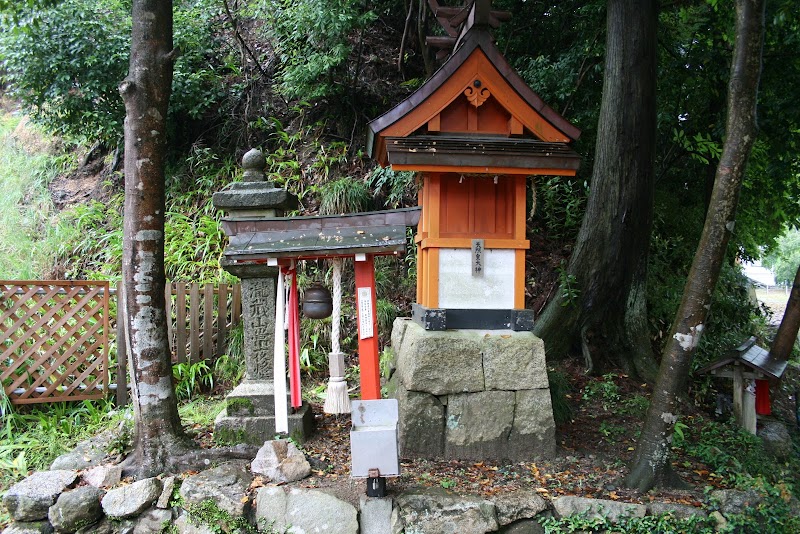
(472, 394)
(249, 416)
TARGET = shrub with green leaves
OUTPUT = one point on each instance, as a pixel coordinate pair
(64, 61)
(311, 38)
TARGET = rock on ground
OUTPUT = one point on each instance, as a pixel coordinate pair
(521, 504)
(33, 527)
(777, 440)
(679, 511)
(281, 461)
(225, 485)
(733, 501)
(30, 499)
(153, 521)
(87, 453)
(133, 499)
(103, 476)
(76, 509)
(304, 511)
(613, 510)
(430, 511)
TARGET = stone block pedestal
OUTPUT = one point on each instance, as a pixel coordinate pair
(472, 394)
(249, 416)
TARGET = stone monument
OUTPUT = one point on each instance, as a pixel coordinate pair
(249, 414)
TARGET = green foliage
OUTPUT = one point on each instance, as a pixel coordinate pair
(200, 411)
(663, 524)
(65, 61)
(732, 317)
(604, 390)
(399, 188)
(560, 387)
(31, 438)
(28, 235)
(345, 195)
(386, 313)
(568, 284)
(92, 240)
(560, 204)
(730, 452)
(774, 515)
(311, 38)
(192, 378)
(785, 259)
(209, 515)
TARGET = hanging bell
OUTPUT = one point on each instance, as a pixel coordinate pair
(317, 302)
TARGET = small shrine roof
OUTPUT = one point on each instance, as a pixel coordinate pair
(752, 356)
(379, 232)
(477, 67)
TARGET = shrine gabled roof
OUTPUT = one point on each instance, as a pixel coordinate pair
(751, 356)
(476, 59)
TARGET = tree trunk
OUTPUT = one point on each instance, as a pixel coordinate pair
(787, 332)
(651, 466)
(146, 92)
(607, 315)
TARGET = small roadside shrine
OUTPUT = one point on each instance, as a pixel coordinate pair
(752, 368)
(471, 378)
(264, 250)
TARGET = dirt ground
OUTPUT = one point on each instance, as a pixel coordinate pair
(595, 448)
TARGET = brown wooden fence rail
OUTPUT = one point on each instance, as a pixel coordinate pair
(200, 318)
(54, 335)
(54, 339)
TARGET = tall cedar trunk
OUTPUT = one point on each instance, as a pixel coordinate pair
(608, 317)
(651, 466)
(146, 93)
(787, 331)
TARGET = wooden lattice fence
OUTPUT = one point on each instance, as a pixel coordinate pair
(54, 339)
(54, 335)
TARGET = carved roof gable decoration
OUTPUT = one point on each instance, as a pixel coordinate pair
(475, 95)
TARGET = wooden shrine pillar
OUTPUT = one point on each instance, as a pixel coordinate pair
(367, 327)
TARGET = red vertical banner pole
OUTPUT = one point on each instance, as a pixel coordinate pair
(294, 343)
(367, 327)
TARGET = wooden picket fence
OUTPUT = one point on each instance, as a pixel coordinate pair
(54, 335)
(200, 318)
(54, 338)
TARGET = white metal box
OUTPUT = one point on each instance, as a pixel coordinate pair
(373, 438)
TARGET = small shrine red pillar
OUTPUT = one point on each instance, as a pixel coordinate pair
(367, 327)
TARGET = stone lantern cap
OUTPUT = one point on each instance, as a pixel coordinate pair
(254, 195)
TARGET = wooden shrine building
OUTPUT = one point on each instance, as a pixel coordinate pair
(474, 131)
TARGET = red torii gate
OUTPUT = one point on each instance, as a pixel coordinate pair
(279, 241)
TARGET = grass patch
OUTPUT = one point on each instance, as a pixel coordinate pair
(28, 236)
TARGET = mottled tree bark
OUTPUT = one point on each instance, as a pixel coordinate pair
(607, 318)
(652, 466)
(146, 92)
(786, 335)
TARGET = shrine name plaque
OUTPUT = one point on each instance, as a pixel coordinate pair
(477, 257)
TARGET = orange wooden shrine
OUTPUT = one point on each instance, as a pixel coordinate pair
(474, 131)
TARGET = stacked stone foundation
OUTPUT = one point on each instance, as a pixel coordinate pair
(471, 394)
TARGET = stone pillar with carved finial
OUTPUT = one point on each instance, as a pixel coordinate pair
(249, 414)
